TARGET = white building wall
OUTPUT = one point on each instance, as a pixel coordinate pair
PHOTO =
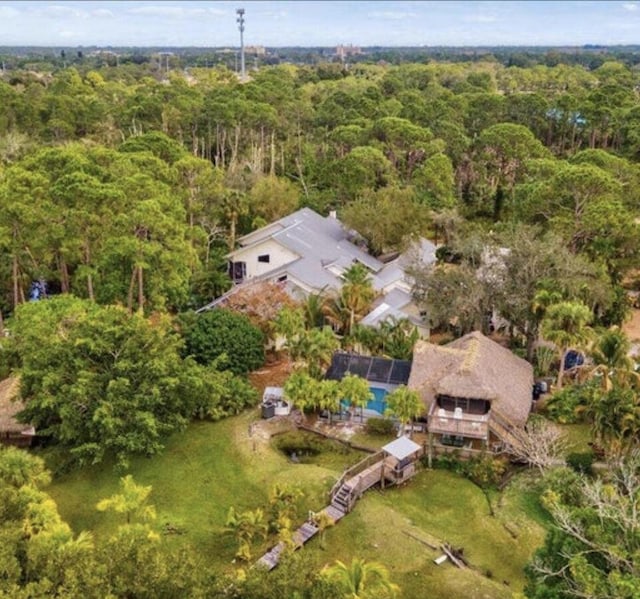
(278, 256)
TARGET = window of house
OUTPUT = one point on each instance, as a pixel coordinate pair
(264, 258)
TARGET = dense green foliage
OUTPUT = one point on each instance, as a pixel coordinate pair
(220, 333)
(42, 557)
(144, 181)
(102, 381)
(127, 189)
(592, 549)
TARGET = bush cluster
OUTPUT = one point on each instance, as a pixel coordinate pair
(380, 426)
(484, 470)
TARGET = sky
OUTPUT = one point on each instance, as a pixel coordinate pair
(319, 23)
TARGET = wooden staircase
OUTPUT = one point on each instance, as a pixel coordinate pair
(344, 494)
(505, 430)
(343, 499)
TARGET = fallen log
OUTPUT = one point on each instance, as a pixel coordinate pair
(420, 540)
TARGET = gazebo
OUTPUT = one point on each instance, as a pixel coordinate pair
(400, 459)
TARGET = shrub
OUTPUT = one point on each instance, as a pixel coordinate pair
(217, 333)
(380, 426)
(581, 462)
(484, 470)
(565, 405)
(561, 484)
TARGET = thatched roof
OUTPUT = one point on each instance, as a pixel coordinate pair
(474, 366)
(10, 406)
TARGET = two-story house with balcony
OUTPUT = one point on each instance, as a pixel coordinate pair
(477, 394)
(308, 253)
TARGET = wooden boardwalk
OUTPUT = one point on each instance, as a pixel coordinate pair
(345, 493)
(307, 531)
(393, 464)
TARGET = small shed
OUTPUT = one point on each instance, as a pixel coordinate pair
(400, 458)
(13, 432)
(274, 403)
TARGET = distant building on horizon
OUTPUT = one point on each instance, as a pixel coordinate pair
(255, 50)
(343, 52)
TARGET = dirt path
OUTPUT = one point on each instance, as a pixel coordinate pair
(272, 374)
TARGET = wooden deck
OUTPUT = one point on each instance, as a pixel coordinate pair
(354, 482)
(307, 531)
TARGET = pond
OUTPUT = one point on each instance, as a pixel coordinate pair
(308, 448)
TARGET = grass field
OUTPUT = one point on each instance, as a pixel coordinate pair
(213, 466)
(578, 436)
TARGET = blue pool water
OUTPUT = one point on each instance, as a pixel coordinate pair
(378, 403)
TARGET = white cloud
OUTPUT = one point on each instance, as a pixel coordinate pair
(8, 12)
(218, 12)
(58, 10)
(70, 34)
(391, 15)
(280, 14)
(157, 11)
(480, 18)
(102, 13)
(630, 6)
(175, 12)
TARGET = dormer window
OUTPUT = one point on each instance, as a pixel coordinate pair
(264, 258)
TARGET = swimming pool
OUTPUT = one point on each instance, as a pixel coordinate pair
(378, 403)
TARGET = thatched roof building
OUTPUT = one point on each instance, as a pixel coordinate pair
(475, 367)
(12, 431)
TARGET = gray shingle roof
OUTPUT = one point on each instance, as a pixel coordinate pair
(325, 249)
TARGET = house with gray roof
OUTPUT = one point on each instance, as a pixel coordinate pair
(308, 253)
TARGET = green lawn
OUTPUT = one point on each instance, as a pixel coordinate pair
(578, 436)
(213, 466)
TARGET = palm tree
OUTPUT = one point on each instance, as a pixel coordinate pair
(323, 521)
(299, 390)
(356, 390)
(283, 501)
(405, 404)
(233, 204)
(398, 337)
(19, 468)
(131, 501)
(316, 350)
(363, 340)
(538, 307)
(612, 349)
(289, 324)
(313, 309)
(361, 579)
(246, 526)
(615, 414)
(354, 299)
(329, 396)
(612, 364)
(566, 325)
